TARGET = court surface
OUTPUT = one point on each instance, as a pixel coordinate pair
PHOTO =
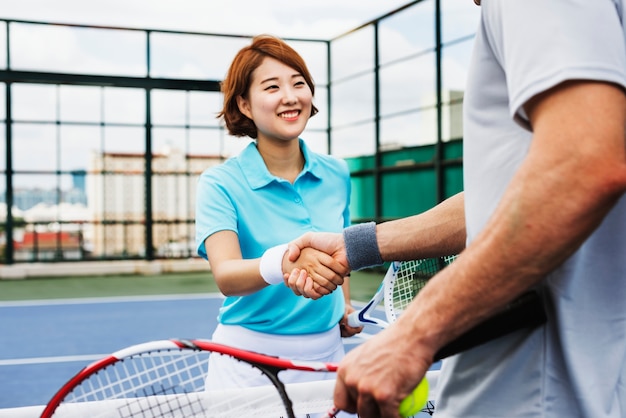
(44, 343)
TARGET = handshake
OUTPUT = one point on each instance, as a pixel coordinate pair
(315, 264)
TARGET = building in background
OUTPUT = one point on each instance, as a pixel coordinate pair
(117, 202)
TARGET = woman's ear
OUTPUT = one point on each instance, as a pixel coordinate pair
(244, 106)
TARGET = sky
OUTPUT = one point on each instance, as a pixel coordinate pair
(321, 19)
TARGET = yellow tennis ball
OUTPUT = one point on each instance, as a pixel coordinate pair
(414, 403)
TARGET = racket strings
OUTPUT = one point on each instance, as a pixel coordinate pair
(411, 278)
(181, 371)
(429, 408)
(150, 384)
(169, 383)
(167, 406)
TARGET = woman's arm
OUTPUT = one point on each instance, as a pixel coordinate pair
(236, 276)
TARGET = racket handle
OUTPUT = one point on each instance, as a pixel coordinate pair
(410, 406)
(527, 311)
(353, 320)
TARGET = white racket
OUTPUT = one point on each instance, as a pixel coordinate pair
(166, 379)
(402, 282)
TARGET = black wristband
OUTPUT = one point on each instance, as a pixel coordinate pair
(361, 246)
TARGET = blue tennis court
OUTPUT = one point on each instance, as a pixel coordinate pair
(44, 343)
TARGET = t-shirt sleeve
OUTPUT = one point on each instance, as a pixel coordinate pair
(581, 40)
(214, 210)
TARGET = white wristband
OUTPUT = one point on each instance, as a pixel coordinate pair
(271, 266)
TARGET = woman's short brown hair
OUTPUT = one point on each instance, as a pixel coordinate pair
(238, 77)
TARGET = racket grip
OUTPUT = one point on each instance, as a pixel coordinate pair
(353, 320)
(527, 311)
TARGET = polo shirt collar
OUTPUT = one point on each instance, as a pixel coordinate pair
(258, 175)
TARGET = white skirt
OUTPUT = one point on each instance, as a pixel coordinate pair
(225, 372)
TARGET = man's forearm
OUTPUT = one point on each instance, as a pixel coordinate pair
(559, 196)
(436, 232)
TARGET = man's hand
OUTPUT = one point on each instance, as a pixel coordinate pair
(376, 376)
(328, 242)
(301, 280)
(313, 273)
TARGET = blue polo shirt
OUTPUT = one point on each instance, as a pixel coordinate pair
(242, 196)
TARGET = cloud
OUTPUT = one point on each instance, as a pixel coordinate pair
(320, 19)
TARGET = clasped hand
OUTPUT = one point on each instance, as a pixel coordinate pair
(317, 263)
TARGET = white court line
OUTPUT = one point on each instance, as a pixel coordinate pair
(109, 299)
(55, 359)
(355, 340)
(78, 301)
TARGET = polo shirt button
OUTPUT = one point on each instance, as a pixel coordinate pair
(297, 200)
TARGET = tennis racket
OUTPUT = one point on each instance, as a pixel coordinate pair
(402, 282)
(166, 378)
(525, 312)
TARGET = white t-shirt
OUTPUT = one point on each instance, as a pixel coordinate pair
(575, 366)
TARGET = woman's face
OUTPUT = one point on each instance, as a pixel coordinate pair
(279, 101)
